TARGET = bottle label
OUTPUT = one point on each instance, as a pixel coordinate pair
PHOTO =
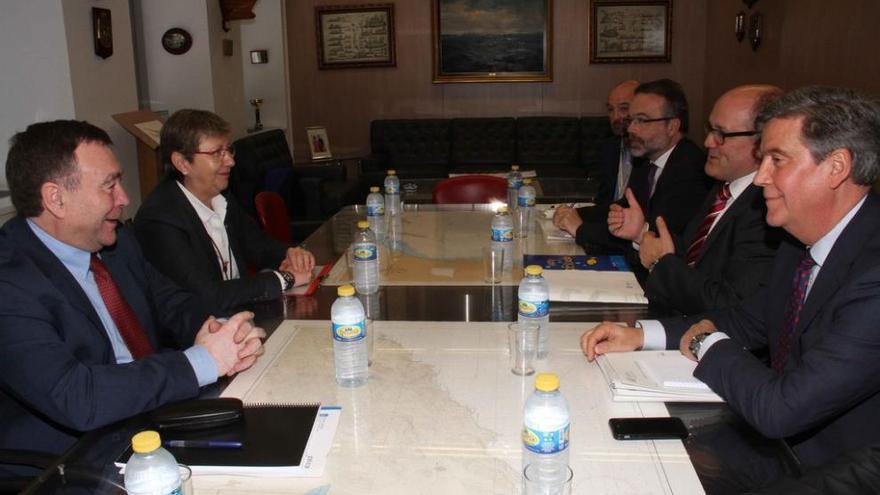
(392, 188)
(525, 201)
(545, 442)
(365, 252)
(349, 333)
(177, 491)
(502, 235)
(375, 210)
(514, 183)
(534, 309)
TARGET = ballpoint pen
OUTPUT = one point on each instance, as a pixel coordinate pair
(204, 444)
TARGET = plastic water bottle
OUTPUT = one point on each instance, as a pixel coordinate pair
(534, 306)
(365, 258)
(546, 422)
(392, 193)
(376, 211)
(514, 182)
(349, 338)
(526, 201)
(151, 470)
(502, 234)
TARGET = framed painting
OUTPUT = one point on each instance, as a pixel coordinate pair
(351, 36)
(630, 31)
(492, 40)
(319, 143)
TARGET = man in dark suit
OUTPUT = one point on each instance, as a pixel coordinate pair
(667, 177)
(727, 248)
(816, 317)
(84, 319)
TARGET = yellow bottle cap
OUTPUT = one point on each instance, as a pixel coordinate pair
(547, 382)
(345, 290)
(527, 180)
(514, 167)
(363, 224)
(392, 172)
(146, 441)
(374, 188)
(502, 209)
(534, 270)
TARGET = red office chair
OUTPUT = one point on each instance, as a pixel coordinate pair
(272, 215)
(470, 189)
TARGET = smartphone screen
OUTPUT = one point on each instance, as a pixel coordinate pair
(647, 428)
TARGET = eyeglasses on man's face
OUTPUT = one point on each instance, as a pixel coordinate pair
(639, 121)
(720, 136)
(219, 153)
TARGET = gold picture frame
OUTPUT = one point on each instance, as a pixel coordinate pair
(516, 48)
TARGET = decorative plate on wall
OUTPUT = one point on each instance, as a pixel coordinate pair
(176, 41)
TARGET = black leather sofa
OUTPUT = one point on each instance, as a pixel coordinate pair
(427, 148)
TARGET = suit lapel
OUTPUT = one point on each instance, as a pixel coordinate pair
(839, 262)
(195, 226)
(54, 271)
(742, 202)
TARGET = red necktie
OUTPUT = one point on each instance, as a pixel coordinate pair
(123, 316)
(702, 232)
(793, 311)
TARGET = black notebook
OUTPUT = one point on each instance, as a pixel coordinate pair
(273, 435)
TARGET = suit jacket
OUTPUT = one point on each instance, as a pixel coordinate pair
(828, 399)
(733, 264)
(174, 239)
(678, 194)
(609, 167)
(58, 372)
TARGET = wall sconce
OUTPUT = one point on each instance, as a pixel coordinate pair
(756, 30)
(259, 56)
(739, 26)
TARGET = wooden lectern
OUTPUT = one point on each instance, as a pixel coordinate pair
(142, 124)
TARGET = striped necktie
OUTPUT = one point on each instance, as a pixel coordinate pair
(793, 311)
(702, 233)
(120, 311)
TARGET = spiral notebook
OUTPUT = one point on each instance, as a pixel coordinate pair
(274, 438)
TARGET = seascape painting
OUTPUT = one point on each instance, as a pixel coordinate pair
(492, 40)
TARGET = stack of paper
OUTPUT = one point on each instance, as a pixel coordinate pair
(594, 286)
(653, 376)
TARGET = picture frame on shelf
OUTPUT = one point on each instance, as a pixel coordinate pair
(102, 32)
(516, 47)
(355, 36)
(630, 31)
(319, 143)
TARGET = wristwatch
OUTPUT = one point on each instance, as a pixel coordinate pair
(289, 280)
(696, 343)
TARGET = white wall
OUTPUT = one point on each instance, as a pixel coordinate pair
(104, 87)
(266, 81)
(35, 80)
(226, 73)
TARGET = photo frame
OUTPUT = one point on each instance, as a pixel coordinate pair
(319, 143)
(630, 31)
(492, 40)
(259, 56)
(355, 36)
(102, 32)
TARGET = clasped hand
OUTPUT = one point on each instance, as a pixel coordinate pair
(234, 344)
(300, 263)
(567, 219)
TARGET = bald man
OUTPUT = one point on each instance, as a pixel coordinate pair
(726, 250)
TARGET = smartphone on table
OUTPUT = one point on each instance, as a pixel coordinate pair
(647, 428)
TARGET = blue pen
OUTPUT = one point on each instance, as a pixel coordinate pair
(204, 444)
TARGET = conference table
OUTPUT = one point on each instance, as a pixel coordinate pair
(442, 412)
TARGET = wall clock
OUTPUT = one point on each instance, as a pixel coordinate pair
(176, 41)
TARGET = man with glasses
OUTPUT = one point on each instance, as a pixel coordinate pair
(816, 318)
(727, 248)
(200, 237)
(85, 322)
(671, 183)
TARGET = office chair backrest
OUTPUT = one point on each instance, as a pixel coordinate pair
(272, 215)
(470, 189)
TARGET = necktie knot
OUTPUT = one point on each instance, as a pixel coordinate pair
(724, 193)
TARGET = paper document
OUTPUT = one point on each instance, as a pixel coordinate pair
(653, 376)
(594, 286)
(151, 128)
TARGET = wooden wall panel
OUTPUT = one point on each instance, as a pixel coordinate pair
(346, 100)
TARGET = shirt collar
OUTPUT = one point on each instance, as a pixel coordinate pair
(217, 209)
(820, 250)
(660, 162)
(74, 259)
(737, 186)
